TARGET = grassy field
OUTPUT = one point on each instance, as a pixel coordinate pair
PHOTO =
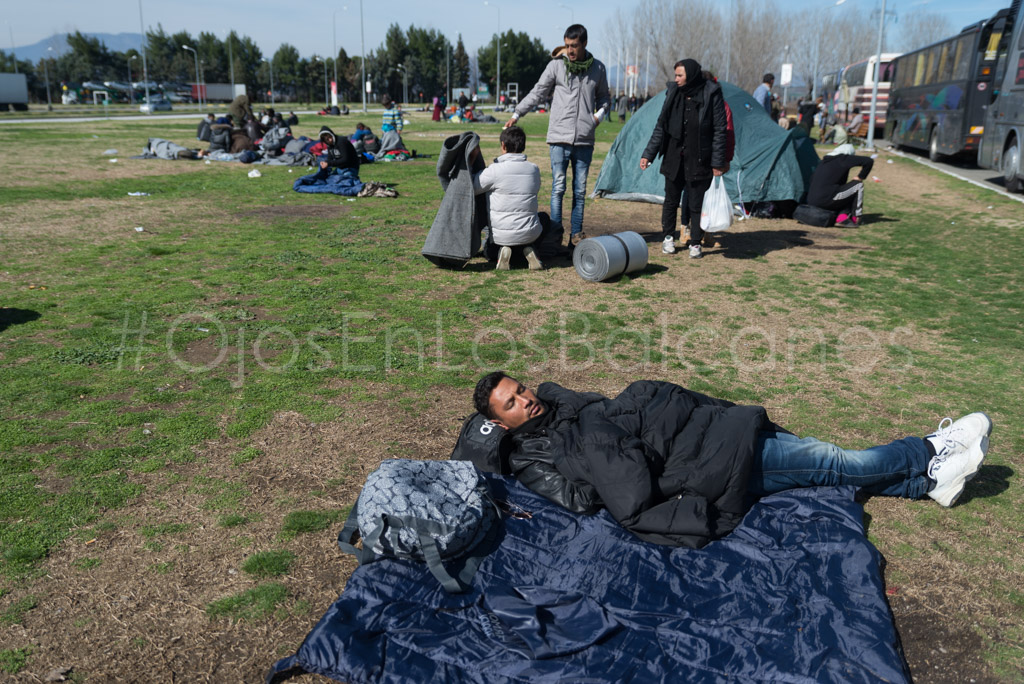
(190, 409)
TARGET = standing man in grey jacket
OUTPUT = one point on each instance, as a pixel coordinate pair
(577, 86)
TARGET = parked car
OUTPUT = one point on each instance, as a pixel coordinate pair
(155, 105)
(175, 97)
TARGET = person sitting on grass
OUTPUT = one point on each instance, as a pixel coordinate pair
(340, 154)
(513, 183)
(680, 468)
(829, 188)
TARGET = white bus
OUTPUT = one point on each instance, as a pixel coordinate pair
(856, 83)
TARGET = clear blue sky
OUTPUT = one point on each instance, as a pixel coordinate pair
(307, 24)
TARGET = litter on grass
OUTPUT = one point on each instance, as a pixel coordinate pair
(139, 229)
(110, 152)
(255, 173)
(138, 194)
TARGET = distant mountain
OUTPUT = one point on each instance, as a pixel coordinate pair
(115, 42)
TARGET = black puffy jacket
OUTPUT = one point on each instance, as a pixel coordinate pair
(669, 464)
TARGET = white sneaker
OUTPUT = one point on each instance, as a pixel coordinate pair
(531, 258)
(695, 252)
(960, 448)
(503, 258)
(668, 245)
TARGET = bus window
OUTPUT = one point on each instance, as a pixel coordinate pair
(929, 74)
(992, 49)
(962, 62)
(919, 70)
(945, 65)
(887, 72)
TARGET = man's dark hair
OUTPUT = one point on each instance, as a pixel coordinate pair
(577, 32)
(856, 110)
(360, 126)
(482, 393)
(769, 78)
(514, 139)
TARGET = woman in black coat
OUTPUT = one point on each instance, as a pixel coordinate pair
(691, 136)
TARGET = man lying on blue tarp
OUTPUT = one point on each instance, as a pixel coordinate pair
(680, 468)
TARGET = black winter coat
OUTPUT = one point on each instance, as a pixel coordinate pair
(340, 155)
(713, 134)
(831, 175)
(669, 464)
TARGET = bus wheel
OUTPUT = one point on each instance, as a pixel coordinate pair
(1011, 163)
(933, 146)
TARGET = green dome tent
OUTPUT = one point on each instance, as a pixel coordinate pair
(771, 164)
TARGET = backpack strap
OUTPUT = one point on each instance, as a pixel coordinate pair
(349, 532)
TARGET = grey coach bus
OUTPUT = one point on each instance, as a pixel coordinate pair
(1003, 137)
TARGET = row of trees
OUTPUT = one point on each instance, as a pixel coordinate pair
(421, 61)
(741, 41)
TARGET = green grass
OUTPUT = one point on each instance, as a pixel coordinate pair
(13, 660)
(305, 522)
(15, 612)
(268, 563)
(252, 604)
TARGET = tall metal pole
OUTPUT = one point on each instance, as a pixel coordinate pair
(497, 97)
(647, 72)
(46, 70)
(145, 69)
(14, 54)
(199, 85)
(728, 49)
(447, 72)
(362, 40)
(874, 88)
(131, 88)
(334, 27)
(327, 95)
(270, 64)
(231, 63)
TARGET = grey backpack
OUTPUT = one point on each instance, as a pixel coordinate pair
(429, 511)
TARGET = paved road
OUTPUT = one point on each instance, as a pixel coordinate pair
(984, 178)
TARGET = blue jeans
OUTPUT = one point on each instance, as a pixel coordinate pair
(561, 155)
(784, 461)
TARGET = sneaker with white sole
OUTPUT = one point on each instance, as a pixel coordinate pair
(960, 447)
(668, 245)
(531, 258)
(503, 258)
(695, 252)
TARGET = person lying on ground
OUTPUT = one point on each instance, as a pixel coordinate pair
(680, 468)
(829, 188)
(513, 183)
(340, 154)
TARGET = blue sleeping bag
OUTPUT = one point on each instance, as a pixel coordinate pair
(341, 182)
(793, 594)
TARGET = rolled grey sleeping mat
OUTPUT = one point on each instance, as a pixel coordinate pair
(606, 256)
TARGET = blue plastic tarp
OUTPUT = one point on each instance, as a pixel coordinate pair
(794, 594)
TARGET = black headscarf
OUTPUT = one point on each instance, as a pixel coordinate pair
(694, 76)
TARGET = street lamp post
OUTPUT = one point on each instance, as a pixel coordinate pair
(131, 88)
(145, 69)
(785, 88)
(326, 96)
(362, 43)
(271, 65)
(46, 70)
(497, 40)
(199, 87)
(870, 145)
(231, 64)
(334, 28)
(405, 84)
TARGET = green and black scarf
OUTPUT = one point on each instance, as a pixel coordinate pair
(580, 66)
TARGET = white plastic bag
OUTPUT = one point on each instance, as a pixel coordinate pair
(716, 212)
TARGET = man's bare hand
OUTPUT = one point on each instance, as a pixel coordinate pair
(323, 165)
(719, 172)
(644, 163)
(597, 120)
(510, 122)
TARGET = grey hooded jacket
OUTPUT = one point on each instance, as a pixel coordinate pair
(574, 100)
